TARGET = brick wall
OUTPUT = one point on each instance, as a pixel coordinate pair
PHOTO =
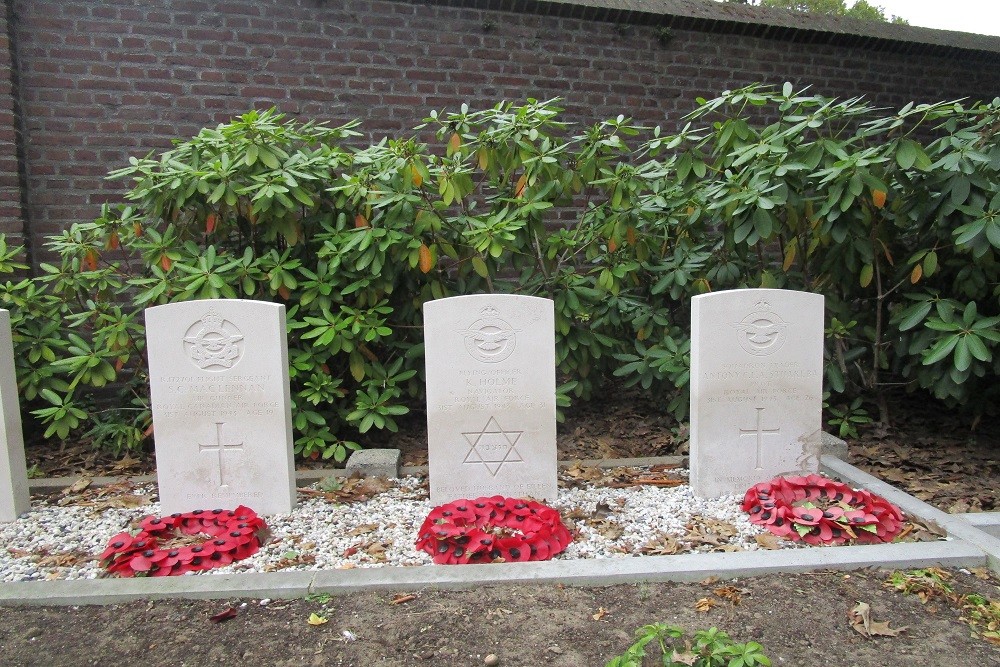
(100, 80)
(12, 220)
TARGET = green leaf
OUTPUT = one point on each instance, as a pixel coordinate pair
(930, 263)
(357, 364)
(913, 315)
(960, 188)
(479, 266)
(977, 348)
(867, 272)
(906, 154)
(963, 358)
(941, 350)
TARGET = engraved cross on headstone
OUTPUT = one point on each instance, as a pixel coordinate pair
(759, 432)
(221, 448)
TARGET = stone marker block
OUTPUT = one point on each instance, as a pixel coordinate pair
(14, 497)
(491, 396)
(218, 375)
(374, 463)
(834, 446)
(756, 387)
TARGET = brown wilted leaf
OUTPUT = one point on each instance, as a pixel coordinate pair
(299, 559)
(362, 529)
(353, 489)
(608, 529)
(709, 581)
(704, 604)
(685, 658)
(64, 559)
(224, 615)
(579, 473)
(601, 613)
(661, 545)
(124, 501)
(125, 463)
(403, 599)
(768, 541)
(77, 486)
(731, 593)
(860, 619)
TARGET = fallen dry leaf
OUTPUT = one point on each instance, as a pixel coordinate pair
(860, 618)
(64, 559)
(685, 658)
(611, 530)
(316, 619)
(125, 501)
(362, 529)
(224, 615)
(768, 541)
(77, 486)
(731, 593)
(704, 604)
(601, 613)
(403, 599)
(661, 545)
(300, 559)
(125, 463)
(579, 473)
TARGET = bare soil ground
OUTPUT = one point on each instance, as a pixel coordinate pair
(801, 620)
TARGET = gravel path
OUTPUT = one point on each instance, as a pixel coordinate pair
(56, 541)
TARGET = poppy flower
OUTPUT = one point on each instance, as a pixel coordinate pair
(230, 535)
(490, 528)
(818, 510)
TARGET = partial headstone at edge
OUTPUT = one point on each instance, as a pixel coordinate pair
(756, 387)
(222, 426)
(14, 497)
(491, 397)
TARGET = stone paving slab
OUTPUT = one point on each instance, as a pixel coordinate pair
(967, 546)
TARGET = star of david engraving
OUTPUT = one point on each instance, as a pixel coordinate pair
(492, 447)
(221, 448)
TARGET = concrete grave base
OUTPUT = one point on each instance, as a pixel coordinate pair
(374, 463)
(969, 544)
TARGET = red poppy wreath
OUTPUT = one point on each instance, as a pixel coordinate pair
(817, 510)
(185, 542)
(492, 529)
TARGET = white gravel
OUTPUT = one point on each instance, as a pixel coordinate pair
(320, 535)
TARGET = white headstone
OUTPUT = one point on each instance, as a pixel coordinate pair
(756, 387)
(218, 376)
(491, 397)
(14, 498)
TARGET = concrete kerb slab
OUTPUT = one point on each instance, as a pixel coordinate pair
(967, 546)
(307, 477)
(684, 567)
(988, 522)
(954, 525)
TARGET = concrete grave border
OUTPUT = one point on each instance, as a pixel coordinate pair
(969, 544)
